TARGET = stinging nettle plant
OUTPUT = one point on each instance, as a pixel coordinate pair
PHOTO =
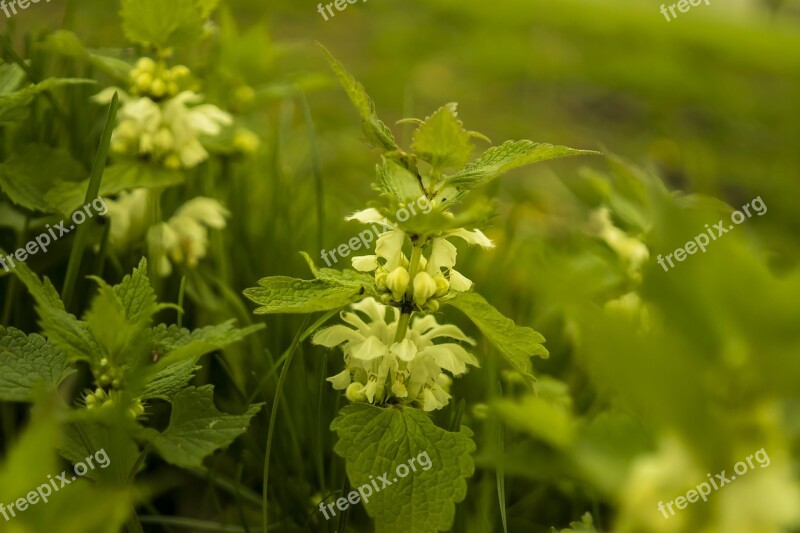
(398, 357)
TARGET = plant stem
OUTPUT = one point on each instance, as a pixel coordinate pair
(93, 191)
(405, 316)
(273, 417)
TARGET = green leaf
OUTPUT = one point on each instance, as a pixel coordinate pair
(586, 525)
(120, 339)
(197, 428)
(170, 380)
(516, 343)
(442, 140)
(397, 181)
(377, 133)
(374, 441)
(28, 362)
(11, 76)
(280, 294)
(163, 24)
(66, 197)
(113, 435)
(32, 170)
(81, 507)
(540, 418)
(136, 295)
(12, 105)
(346, 277)
(61, 327)
(498, 160)
(68, 44)
(179, 351)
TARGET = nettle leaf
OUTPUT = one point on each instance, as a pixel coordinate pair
(178, 351)
(27, 363)
(170, 380)
(280, 294)
(586, 525)
(66, 43)
(397, 181)
(61, 327)
(162, 24)
(11, 77)
(13, 105)
(66, 196)
(197, 429)
(32, 170)
(346, 277)
(498, 160)
(374, 441)
(113, 435)
(378, 134)
(442, 140)
(516, 343)
(120, 339)
(136, 295)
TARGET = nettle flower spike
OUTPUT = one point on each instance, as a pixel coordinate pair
(398, 359)
(380, 370)
(162, 118)
(436, 275)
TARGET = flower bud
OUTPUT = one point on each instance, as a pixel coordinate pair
(380, 280)
(143, 81)
(158, 88)
(179, 71)
(442, 286)
(432, 306)
(424, 288)
(145, 64)
(397, 282)
(355, 392)
(163, 141)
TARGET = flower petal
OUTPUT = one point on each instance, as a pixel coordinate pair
(372, 348)
(336, 335)
(405, 350)
(443, 255)
(474, 236)
(458, 282)
(341, 380)
(368, 216)
(365, 263)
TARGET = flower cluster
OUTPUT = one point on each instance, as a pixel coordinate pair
(160, 121)
(380, 370)
(183, 239)
(434, 276)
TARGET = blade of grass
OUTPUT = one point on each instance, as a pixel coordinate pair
(273, 416)
(343, 515)
(315, 168)
(501, 481)
(74, 265)
(320, 396)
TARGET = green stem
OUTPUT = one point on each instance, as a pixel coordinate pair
(273, 417)
(405, 316)
(93, 191)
